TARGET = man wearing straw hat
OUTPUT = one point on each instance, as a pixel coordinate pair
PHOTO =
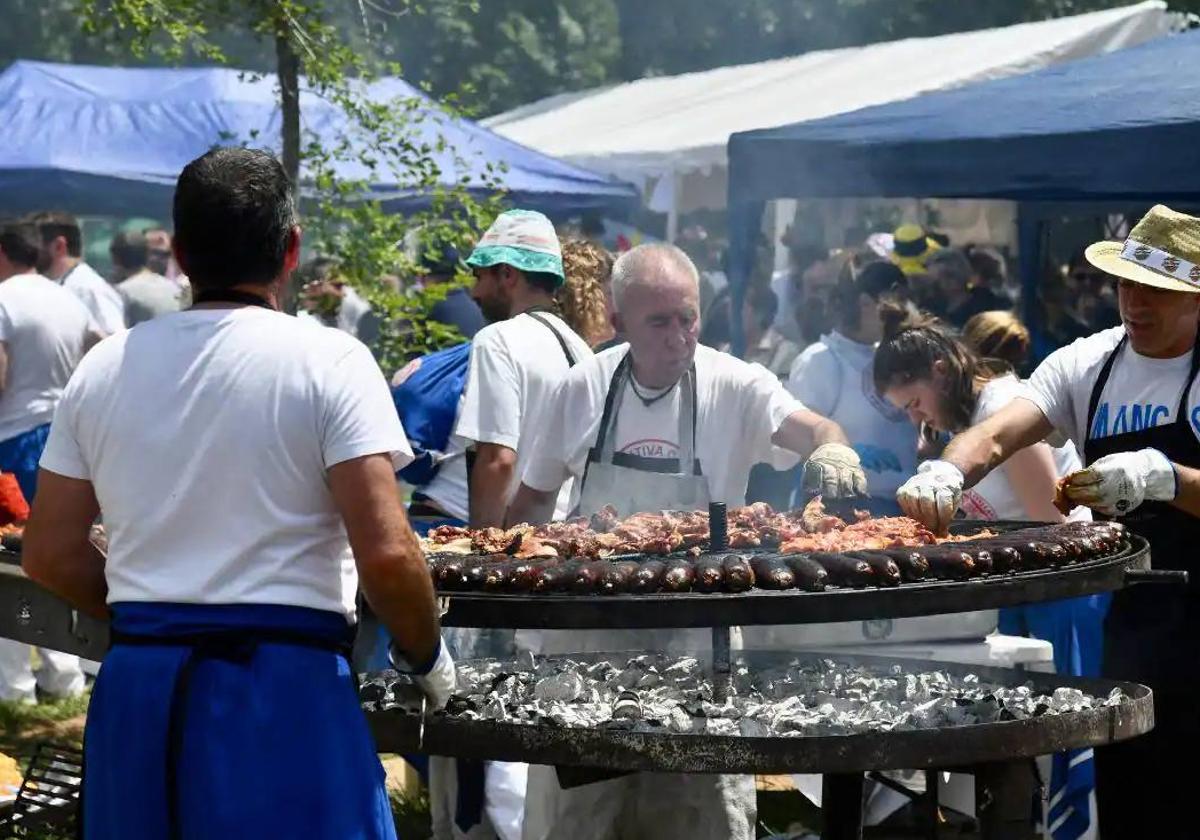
(1130, 399)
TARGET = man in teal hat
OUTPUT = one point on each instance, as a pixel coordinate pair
(517, 362)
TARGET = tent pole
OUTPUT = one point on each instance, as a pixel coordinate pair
(1030, 242)
(673, 210)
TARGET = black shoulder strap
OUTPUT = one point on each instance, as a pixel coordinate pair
(561, 341)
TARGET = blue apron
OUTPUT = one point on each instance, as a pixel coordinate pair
(20, 456)
(229, 721)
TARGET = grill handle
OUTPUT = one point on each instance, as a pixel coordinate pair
(1176, 577)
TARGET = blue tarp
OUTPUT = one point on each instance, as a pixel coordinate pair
(112, 140)
(1120, 126)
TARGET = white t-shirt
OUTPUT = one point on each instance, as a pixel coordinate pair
(739, 407)
(1141, 392)
(449, 487)
(835, 378)
(148, 295)
(515, 367)
(207, 435)
(100, 297)
(993, 497)
(43, 328)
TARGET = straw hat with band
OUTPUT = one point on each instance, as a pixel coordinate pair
(524, 239)
(1162, 251)
(911, 246)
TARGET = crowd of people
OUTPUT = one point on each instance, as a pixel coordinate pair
(245, 462)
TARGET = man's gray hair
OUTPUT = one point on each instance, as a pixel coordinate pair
(953, 263)
(649, 263)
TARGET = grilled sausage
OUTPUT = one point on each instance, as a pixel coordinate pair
(983, 560)
(498, 577)
(679, 576)
(450, 574)
(648, 577)
(556, 578)
(772, 572)
(474, 574)
(844, 570)
(587, 576)
(617, 576)
(946, 563)
(810, 575)
(739, 575)
(1037, 554)
(887, 571)
(710, 574)
(912, 565)
(525, 573)
(1005, 558)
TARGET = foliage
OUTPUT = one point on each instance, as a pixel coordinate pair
(395, 140)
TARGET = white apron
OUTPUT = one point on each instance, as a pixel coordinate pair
(664, 806)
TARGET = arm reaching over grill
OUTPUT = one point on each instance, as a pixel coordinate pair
(57, 550)
(531, 505)
(392, 571)
(833, 468)
(932, 495)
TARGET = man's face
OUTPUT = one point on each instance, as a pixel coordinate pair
(661, 322)
(49, 251)
(1157, 320)
(492, 291)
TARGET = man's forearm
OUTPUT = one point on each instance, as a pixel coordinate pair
(982, 448)
(76, 575)
(530, 505)
(803, 431)
(401, 595)
(491, 476)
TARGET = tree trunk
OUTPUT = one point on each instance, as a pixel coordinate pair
(289, 101)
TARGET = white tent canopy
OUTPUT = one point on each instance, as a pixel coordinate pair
(659, 129)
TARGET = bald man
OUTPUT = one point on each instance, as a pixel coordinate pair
(661, 423)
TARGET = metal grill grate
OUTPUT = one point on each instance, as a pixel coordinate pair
(49, 794)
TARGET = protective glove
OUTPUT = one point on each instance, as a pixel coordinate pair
(835, 472)
(437, 678)
(933, 495)
(1116, 484)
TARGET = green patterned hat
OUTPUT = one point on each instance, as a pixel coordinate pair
(524, 239)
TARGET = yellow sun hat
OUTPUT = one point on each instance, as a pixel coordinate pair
(911, 246)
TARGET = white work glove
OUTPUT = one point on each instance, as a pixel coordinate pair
(933, 495)
(1116, 484)
(438, 679)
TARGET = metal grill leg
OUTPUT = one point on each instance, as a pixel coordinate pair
(1004, 804)
(842, 806)
(932, 779)
(722, 665)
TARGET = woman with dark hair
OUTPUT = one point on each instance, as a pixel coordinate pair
(833, 378)
(940, 381)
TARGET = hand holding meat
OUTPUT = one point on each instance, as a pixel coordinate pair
(932, 495)
(835, 472)
(1116, 484)
(438, 680)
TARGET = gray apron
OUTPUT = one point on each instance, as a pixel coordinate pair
(637, 484)
(639, 805)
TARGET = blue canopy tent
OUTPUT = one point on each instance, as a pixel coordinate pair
(111, 140)
(1114, 131)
